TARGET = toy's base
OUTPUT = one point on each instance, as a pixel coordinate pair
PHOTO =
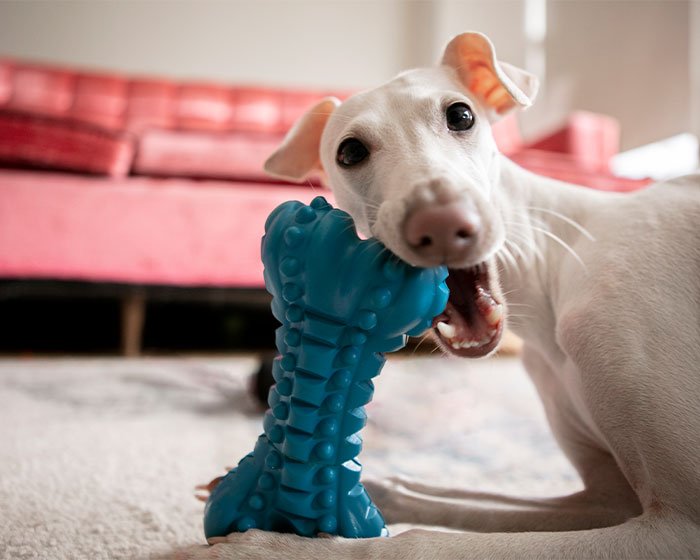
(306, 499)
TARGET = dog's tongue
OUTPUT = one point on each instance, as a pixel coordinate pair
(471, 321)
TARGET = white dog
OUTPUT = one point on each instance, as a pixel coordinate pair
(612, 330)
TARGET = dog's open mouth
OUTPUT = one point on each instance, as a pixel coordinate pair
(472, 323)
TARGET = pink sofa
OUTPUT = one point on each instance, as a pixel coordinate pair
(145, 184)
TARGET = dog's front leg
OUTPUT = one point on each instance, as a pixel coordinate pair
(404, 501)
(667, 536)
(263, 545)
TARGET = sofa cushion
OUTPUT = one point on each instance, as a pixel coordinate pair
(151, 105)
(39, 90)
(176, 153)
(202, 107)
(100, 100)
(135, 230)
(30, 140)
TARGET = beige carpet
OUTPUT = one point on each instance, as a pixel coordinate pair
(98, 458)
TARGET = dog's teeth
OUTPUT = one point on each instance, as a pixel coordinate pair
(448, 331)
(455, 345)
(495, 314)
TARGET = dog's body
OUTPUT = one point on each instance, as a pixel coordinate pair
(604, 291)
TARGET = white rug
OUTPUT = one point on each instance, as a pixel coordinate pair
(99, 458)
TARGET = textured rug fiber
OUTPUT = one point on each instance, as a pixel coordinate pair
(99, 458)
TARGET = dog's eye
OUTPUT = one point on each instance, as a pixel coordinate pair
(351, 152)
(459, 117)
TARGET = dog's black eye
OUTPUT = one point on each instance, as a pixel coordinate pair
(459, 117)
(351, 152)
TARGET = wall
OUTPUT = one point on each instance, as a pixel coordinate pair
(315, 43)
(627, 59)
(695, 66)
(630, 59)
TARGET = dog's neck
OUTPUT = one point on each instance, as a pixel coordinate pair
(540, 216)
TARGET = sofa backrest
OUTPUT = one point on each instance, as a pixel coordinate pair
(122, 103)
(114, 124)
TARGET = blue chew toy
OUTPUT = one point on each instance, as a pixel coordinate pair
(342, 302)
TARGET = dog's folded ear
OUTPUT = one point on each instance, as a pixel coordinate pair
(298, 156)
(500, 86)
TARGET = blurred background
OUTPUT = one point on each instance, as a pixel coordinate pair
(635, 60)
(132, 134)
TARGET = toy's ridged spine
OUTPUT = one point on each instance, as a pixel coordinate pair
(316, 405)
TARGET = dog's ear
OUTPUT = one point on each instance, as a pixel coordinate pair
(298, 156)
(500, 86)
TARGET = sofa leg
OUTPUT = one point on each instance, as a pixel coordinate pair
(133, 315)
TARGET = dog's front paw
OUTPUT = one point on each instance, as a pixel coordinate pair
(265, 545)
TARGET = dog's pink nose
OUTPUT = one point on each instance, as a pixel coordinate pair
(444, 231)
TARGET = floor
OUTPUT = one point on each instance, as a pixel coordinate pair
(99, 457)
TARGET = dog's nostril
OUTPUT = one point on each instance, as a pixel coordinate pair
(463, 234)
(425, 241)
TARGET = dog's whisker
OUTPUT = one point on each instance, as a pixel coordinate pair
(521, 315)
(351, 225)
(511, 259)
(547, 232)
(372, 205)
(518, 321)
(517, 248)
(563, 243)
(512, 245)
(540, 222)
(422, 340)
(511, 292)
(530, 244)
(566, 219)
(383, 252)
(500, 258)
